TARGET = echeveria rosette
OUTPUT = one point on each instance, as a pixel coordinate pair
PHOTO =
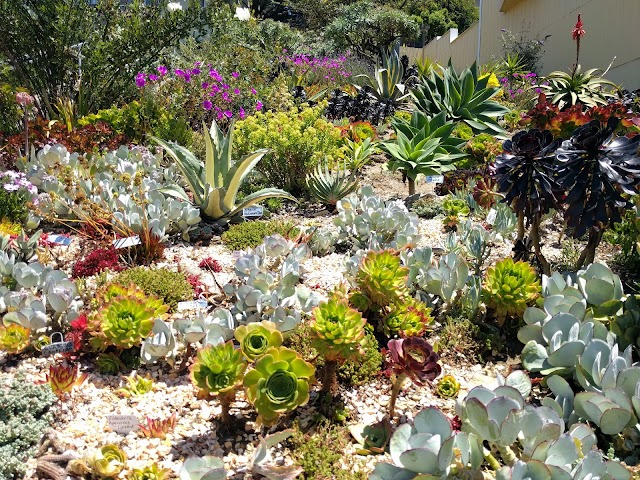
(407, 319)
(524, 173)
(338, 330)
(256, 338)
(412, 358)
(509, 288)
(14, 338)
(218, 369)
(596, 167)
(382, 278)
(279, 383)
(107, 462)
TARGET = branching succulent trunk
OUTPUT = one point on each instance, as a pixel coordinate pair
(329, 378)
(225, 402)
(520, 226)
(412, 186)
(535, 239)
(395, 390)
(588, 255)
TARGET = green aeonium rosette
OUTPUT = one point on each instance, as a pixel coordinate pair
(279, 382)
(338, 330)
(256, 338)
(218, 369)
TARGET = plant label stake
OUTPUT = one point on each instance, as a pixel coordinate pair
(59, 240)
(435, 179)
(127, 242)
(253, 212)
(192, 305)
(57, 347)
(123, 423)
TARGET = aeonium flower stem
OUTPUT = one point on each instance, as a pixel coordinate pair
(395, 390)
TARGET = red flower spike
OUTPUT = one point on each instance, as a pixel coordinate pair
(578, 32)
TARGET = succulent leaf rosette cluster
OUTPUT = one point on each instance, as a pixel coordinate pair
(14, 338)
(256, 338)
(510, 287)
(107, 462)
(338, 330)
(218, 369)
(414, 358)
(278, 383)
(448, 387)
(125, 318)
(63, 378)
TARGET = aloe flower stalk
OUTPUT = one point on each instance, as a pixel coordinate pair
(279, 382)
(218, 370)
(63, 378)
(577, 33)
(256, 338)
(412, 358)
(338, 332)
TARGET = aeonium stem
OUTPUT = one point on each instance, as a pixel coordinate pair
(395, 390)
(329, 380)
(225, 402)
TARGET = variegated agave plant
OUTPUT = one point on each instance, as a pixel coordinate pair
(330, 186)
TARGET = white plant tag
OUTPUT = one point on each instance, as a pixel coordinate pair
(127, 242)
(254, 211)
(192, 305)
(123, 423)
(59, 240)
(435, 178)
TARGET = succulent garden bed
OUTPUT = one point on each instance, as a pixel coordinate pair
(255, 271)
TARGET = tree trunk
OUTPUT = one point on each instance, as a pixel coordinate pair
(412, 186)
(520, 227)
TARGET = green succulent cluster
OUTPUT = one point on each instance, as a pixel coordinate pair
(218, 369)
(407, 319)
(338, 330)
(279, 382)
(109, 364)
(150, 472)
(245, 235)
(124, 317)
(448, 387)
(509, 288)
(107, 462)
(382, 281)
(256, 338)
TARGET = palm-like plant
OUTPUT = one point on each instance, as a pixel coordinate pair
(330, 186)
(423, 145)
(215, 183)
(596, 167)
(462, 98)
(588, 88)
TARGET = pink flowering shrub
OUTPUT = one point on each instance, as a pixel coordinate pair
(202, 92)
(322, 72)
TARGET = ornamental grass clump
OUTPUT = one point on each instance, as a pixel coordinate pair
(337, 334)
(218, 370)
(256, 338)
(279, 383)
(509, 288)
(411, 358)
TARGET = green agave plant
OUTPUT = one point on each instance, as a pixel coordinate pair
(423, 146)
(386, 83)
(359, 153)
(587, 88)
(256, 338)
(331, 186)
(462, 98)
(218, 369)
(215, 183)
(510, 287)
(107, 462)
(279, 382)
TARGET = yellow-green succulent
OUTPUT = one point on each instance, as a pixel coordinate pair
(218, 368)
(338, 330)
(256, 338)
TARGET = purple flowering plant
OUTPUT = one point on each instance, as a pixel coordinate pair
(520, 89)
(320, 72)
(203, 93)
(15, 194)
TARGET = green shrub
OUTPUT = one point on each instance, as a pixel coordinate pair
(251, 234)
(353, 372)
(460, 337)
(172, 287)
(298, 139)
(321, 453)
(24, 417)
(428, 207)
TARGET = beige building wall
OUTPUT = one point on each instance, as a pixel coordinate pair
(612, 30)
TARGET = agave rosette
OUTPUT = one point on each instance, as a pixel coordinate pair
(278, 383)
